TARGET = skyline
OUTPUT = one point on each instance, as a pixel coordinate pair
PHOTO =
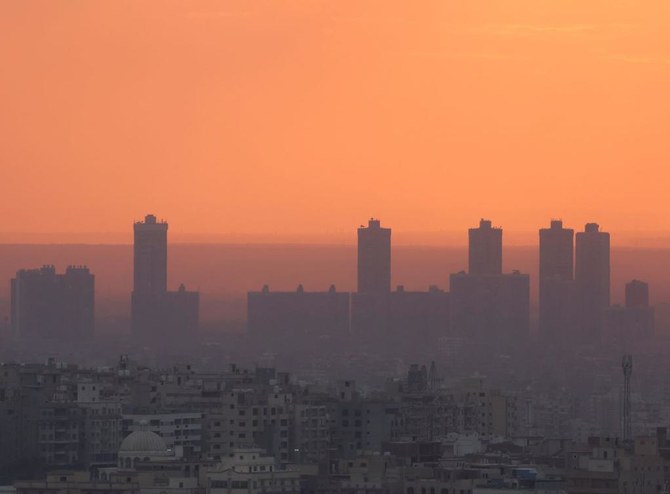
(243, 267)
(408, 238)
(298, 117)
(334, 247)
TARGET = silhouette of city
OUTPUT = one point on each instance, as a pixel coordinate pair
(334, 247)
(377, 390)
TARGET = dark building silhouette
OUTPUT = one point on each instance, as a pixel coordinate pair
(423, 316)
(157, 312)
(150, 256)
(400, 316)
(490, 308)
(370, 316)
(486, 305)
(369, 305)
(374, 315)
(45, 304)
(556, 252)
(557, 288)
(485, 249)
(374, 258)
(633, 323)
(166, 316)
(592, 277)
(637, 294)
(298, 315)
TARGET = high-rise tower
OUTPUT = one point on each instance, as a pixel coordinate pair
(592, 275)
(637, 294)
(374, 258)
(556, 279)
(486, 305)
(556, 252)
(166, 317)
(485, 249)
(150, 256)
(632, 324)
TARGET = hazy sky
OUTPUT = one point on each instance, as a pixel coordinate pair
(308, 116)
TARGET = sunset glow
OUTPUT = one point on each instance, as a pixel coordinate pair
(304, 118)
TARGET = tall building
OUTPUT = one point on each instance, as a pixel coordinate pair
(156, 312)
(150, 256)
(556, 281)
(487, 306)
(592, 276)
(637, 294)
(45, 304)
(374, 258)
(485, 249)
(634, 323)
(556, 252)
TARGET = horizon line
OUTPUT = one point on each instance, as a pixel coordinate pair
(431, 238)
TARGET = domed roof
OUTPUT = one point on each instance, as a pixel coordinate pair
(143, 441)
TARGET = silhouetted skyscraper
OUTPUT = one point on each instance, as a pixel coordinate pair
(485, 249)
(485, 304)
(592, 275)
(556, 252)
(556, 280)
(150, 256)
(49, 305)
(156, 312)
(632, 324)
(637, 294)
(374, 258)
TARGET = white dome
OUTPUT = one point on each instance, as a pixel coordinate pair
(143, 442)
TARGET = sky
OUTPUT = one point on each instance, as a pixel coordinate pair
(300, 119)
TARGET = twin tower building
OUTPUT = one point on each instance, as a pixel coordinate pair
(483, 304)
(575, 297)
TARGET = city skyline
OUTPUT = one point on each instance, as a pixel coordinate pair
(150, 251)
(334, 247)
(448, 236)
(572, 269)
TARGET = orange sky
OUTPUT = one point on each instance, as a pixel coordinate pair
(304, 117)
